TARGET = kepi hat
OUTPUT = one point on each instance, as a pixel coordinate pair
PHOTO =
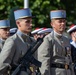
(13, 30)
(57, 14)
(45, 30)
(36, 30)
(72, 28)
(23, 13)
(4, 23)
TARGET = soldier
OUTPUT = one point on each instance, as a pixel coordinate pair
(55, 48)
(17, 45)
(72, 32)
(35, 33)
(45, 31)
(4, 31)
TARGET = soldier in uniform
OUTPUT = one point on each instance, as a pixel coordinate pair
(54, 52)
(72, 32)
(4, 32)
(17, 45)
(35, 33)
(44, 31)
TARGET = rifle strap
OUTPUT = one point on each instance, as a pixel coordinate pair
(52, 45)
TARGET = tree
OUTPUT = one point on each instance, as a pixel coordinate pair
(40, 9)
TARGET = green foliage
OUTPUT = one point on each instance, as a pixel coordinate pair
(12, 18)
(40, 8)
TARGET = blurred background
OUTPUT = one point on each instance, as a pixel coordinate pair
(40, 9)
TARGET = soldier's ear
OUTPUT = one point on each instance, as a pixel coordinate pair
(18, 23)
(51, 23)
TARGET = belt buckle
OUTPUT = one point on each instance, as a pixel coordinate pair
(32, 69)
(66, 66)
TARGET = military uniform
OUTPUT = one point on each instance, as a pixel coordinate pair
(1, 44)
(54, 52)
(35, 33)
(3, 24)
(73, 52)
(50, 56)
(15, 47)
(72, 32)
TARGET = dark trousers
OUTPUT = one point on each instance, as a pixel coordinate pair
(75, 69)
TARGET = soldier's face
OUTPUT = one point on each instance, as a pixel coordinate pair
(25, 25)
(59, 25)
(4, 33)
(73, 34)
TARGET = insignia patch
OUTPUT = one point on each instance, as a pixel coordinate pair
(63, 14)
(68, 51)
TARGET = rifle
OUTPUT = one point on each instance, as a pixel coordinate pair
(28, 58)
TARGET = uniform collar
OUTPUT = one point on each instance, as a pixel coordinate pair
(25, 37)
(57, 34)
(73, 43)
(2, 41)
(21, 33)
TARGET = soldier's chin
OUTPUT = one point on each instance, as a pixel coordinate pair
(62, 29)
(29, 31)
